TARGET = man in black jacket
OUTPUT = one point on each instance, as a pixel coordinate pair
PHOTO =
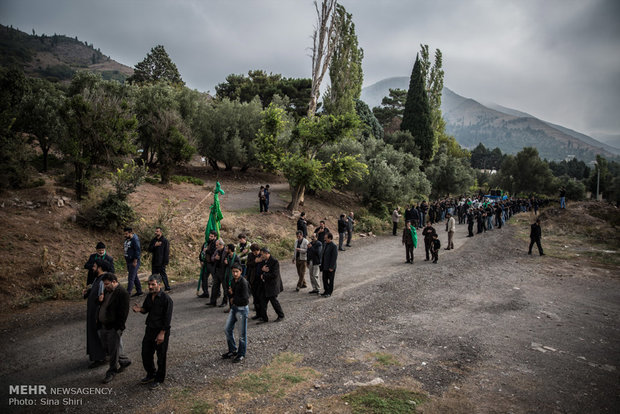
(315, 250)
(328, 265)
(535, 235)
(206, 265)
(428, 232)
(112, 317)
(94, 295)
(342, 229)
(302, 224)
(219, 270)
(157, 333)
(270, 275)
(102, 254)
(160, 250)
(239, 294)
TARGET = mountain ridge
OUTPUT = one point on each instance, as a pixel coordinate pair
(493, 125)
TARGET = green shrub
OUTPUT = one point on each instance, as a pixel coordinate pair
(178, 179)
(111, 213)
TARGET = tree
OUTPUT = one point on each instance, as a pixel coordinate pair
(417, 115)
(345, 69)
(324, 39)
(227, 131)
(100, 126)
(433, 80)
(525, 173)
(156, 66)
(370, 124)
(40, 115)
(604, 179)
(390, 113)
(266, 87)
(449, 175)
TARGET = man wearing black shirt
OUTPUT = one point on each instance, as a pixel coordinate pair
(302, 224)
(157, 333)
(428, 239)
(102, 254)
(112, 317)
(342, 228)
(160, 249)
(206, 265)
(321, 231)
(239, 294)
(535, 235)
(272, 283)
(328, 265)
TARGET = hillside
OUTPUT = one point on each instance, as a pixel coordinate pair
(55, 58)
(471, 122)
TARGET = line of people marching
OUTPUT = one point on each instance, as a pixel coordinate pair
(238, 271)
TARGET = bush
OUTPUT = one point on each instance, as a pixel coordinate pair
(366, 222)
(178, 179)
(111, 213)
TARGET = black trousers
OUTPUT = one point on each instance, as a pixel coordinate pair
(470, 229)
(207, 270)
(218, 280)
(409, 252)
(537, 241)
(262, 312)
(427, 248)
(328, 281)
(161, 270)
(150, 347)
(394, 228)
(435, 256)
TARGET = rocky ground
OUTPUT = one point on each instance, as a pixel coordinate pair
(487, 329)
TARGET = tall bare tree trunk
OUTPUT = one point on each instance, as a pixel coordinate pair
(297, 194)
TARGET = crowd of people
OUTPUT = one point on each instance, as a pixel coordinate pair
(243, 271)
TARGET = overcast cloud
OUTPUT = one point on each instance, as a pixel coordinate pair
(556, 59)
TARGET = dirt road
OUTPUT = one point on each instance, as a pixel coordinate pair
(487, 329)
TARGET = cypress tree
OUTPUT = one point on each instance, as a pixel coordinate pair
(417, 115)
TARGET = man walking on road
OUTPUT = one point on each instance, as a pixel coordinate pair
(160, 250)
(94, 295)
(112, 316)
(315, 250)
(300, 258)
(132, 251)
(428, 232)
(535, 236)
(158, 305)
(410, 241)
(270, 275)
(450, 228)
(239, 294)
(206, 264)
(328, 265)
(342, 228)
(395, 219)
(350, 226)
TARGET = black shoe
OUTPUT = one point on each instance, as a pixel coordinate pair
(313, 292)
(155, 386)
(147, 379)
(167, 289)
(95, 364)
(347, 245)
(435, 261)
(255, 317)
(262, 321)
(109, 376)
(123, 366)
(325, 295)
(426, 260)
(137, 294)
(238, 359)
(343, 250)
(296, 289)
(211, 304)
(221, 305)
(280, 319)
(229, 355)
(204, 295)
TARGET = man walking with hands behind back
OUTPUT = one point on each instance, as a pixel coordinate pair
(160, 249)
(158, 305)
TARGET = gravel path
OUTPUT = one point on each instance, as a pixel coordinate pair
(488, 326)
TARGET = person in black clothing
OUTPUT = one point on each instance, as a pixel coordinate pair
(100, 254)
(302, 224)
(132, 250)
(315, 250)
(435, 247)
(112, 317)
(408, 241)
(470, 223)
(328, 265)
(239, 294)
(270, 275)
(350, 227)
(428, 232)
(219, 270)
(321, 231)
(535, 235)
(253, 276)
(230, 258)
(157, 333)
(206, 264)
(342, 229)
(160, 250)
(94, 295)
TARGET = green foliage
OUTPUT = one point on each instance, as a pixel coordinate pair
(390, 113)
(267, 87)
(525, 173)
(575, 190)
(345, 67)
(482, 158)
(573, 168)
(417, 118)
(403, 141)
(178, 179)
(270, 150)
(449, 175)
(226, 132)
(383, 400)
(604, 179)
(370, 124)
(125, 180)
(111, 213)
(156, 67)
(99, 125)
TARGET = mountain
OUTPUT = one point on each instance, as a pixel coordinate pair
(471, 123)
(56, 57)
(609, 139)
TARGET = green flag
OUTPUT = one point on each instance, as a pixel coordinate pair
(414, 236)
(215, 216)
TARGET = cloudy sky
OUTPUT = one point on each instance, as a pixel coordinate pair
(556, 59)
